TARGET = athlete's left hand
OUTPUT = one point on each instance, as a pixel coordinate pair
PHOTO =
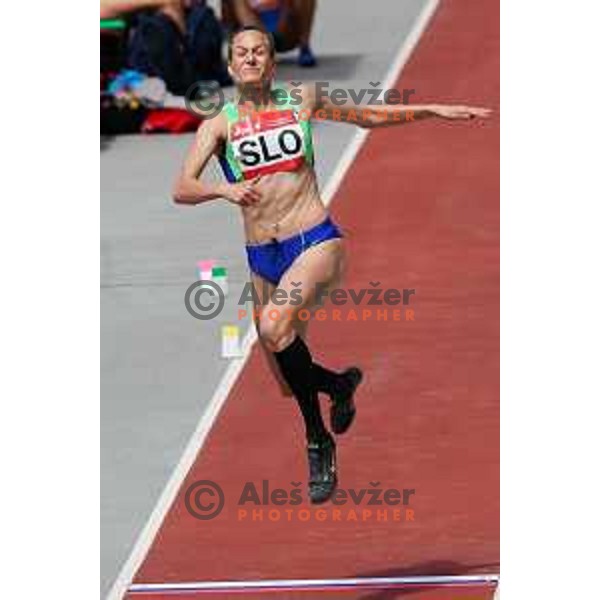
(461, 112)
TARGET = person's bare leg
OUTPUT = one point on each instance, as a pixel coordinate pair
(227, 15)
(320, 264)
(304, 11)
(243, 13)
(303, 17)
(174, 9)
(110, 9)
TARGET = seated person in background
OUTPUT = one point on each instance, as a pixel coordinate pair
(290, 22)
(179, 41)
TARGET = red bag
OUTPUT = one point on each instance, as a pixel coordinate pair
(170, 120)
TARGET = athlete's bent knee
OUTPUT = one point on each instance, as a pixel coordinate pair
(276, 333)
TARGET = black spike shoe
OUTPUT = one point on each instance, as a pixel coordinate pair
(343, 410)
(323, 470)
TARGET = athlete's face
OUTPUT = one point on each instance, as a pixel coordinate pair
(251, 61)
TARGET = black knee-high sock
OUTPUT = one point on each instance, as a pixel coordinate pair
(295, 363)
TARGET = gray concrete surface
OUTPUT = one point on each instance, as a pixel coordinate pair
(159, 366)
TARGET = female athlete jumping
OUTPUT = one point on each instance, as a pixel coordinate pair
(265, 148)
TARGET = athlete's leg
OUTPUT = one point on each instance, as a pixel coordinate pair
(320, 264)
(340, 387)
(265, 289)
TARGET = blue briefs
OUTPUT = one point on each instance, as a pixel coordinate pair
(272, 259)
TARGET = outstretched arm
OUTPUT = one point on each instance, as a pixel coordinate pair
(386, 115)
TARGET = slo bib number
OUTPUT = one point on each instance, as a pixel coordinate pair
(268, 143)
(270, 147)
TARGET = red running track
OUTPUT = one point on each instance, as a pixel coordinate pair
(420, 207)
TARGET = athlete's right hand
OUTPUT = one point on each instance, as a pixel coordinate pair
(245, 192)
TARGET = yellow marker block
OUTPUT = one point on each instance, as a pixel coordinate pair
(230, 342)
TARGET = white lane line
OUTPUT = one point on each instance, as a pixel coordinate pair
(148, 533)
(314, 584)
